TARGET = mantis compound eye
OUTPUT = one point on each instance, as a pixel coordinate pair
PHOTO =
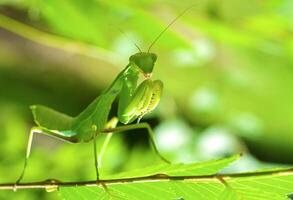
(154, 57)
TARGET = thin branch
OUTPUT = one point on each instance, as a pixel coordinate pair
(160, 177)
(50, 40)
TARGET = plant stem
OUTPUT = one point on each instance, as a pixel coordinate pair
(221, 178)
(55, 41)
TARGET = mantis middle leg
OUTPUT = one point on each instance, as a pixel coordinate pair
(139, 126)
(98, 157)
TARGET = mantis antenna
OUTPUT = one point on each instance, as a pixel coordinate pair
(170, 24)
(121, 31)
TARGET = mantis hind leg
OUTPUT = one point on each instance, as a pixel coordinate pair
(29, 146)
(139, 126)
(28, 150)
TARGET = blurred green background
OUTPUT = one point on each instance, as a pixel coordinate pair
(226, 66)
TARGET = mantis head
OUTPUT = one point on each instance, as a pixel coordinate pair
(145, 61)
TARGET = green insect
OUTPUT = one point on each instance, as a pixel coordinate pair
(135, 100)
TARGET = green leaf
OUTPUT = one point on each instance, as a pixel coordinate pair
(194, 169)
(153, 190)
(77, 20)
(189, 181)
(273, 185)
(229, 193)
(268, 186)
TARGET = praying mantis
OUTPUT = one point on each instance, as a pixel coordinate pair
(135, 101)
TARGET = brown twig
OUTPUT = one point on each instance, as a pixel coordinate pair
(160, 177)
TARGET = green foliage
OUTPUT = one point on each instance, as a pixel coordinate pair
(268, 184)
(197, 169)
(227, 72)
